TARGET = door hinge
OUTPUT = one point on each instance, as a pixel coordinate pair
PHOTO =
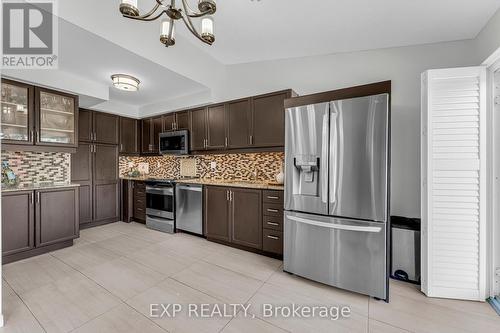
(497, 273)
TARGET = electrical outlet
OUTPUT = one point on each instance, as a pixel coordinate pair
(213, 165)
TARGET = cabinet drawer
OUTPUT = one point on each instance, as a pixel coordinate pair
(270, 209)
(272, 241)
(272, 222)
(273, 196)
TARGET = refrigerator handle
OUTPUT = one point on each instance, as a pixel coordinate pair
(332, 183)
(334, 225)
(323, 167)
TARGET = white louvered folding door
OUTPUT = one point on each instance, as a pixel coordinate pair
(453, 169)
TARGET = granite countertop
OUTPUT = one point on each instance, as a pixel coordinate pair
(33, 187)
(233, 183)
(230, 183)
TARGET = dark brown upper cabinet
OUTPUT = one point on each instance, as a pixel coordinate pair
(198, 129)
(176, 121)
(151, 129)
(56, 115)
(85, 125)
(146, 133)
(216, 127)
(182, 120)
(106, 128)
(38, 119)
(169, 122)
(129, 136)
(250, 125)
(238, 123)
(268, 120)
(18, 113)
(98, 127)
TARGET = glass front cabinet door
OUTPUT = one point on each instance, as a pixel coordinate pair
(56, 118)
(17, 113)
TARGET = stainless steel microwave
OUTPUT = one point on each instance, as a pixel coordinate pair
(174, 143)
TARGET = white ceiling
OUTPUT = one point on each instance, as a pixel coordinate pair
(96, 41)
(249, 31)
(95, 58)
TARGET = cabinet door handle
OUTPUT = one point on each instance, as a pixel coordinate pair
(38, 197)
(32, 199)
(95, 136)
(272, 223)
(225, 141)
(227, 195)
(272, 210)
(273, 237)
(31, 136)
(121, 146)
(251, 139)
(231, 195)
(271, 197)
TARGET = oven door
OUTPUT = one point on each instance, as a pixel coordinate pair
(174, 143)
(160, 201)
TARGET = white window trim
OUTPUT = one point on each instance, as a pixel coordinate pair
(493, 65)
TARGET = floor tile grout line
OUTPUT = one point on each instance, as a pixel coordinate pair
(26, 305)
(119, 299)
(151, 320)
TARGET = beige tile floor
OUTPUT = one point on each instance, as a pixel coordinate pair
(108, 279)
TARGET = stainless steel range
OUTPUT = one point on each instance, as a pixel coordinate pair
(337, 190)
(160, 205)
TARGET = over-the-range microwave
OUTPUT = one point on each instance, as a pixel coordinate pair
(174, 143)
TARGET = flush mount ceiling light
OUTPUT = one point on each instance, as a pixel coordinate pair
(125, 82)
(129, 9)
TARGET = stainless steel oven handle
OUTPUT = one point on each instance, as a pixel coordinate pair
(155, 190)
(335, 225)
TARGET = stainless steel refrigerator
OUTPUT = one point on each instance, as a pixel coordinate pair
(337, 191)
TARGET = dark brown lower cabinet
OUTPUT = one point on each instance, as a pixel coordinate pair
(139, 201)
(234, 215)
(250, 219)
(133, 201)
(246, 217)
(217, 223)
(38, 221)
(56, 216)
(18, 222)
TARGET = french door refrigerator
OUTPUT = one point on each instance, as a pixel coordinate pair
(336, 193)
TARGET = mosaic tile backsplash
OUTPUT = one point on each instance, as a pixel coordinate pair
(36, 167)
(255, 166)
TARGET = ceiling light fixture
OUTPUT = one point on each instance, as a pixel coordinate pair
(129, 9)
(125, 82)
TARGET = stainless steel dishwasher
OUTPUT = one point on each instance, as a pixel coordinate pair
(189, 208)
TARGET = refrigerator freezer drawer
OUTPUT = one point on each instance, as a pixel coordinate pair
(343, 253)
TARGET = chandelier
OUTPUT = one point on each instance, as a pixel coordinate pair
(129, 9)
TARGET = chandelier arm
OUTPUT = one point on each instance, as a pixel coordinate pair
(189, 25)
(192, 13)
(148, 14)
(146, 18)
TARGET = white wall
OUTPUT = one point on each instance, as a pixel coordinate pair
(401, 65)
(488, 40)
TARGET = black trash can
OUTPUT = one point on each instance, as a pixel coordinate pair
(405, 249)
